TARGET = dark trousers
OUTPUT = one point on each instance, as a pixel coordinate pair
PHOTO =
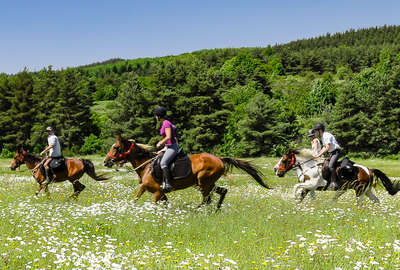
(334, 155)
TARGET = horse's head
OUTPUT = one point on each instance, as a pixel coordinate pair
(19, 159)
(119, 151)
(286, 163)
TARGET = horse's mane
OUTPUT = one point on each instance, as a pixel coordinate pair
(304, 152)
(145, 150)
(32, 157)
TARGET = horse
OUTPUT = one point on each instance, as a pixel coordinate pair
(206, 170)
(75, 169)
(309, 173)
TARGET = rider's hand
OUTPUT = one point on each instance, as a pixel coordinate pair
(42, 153)
(159, 144)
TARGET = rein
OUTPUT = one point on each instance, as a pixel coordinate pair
(144, 163)
(292, 164)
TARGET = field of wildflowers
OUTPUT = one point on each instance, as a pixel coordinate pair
(255, 229)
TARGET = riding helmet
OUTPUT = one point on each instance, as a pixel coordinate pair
(319, 126)
(49, 129)
(310, 133)
(160, 111)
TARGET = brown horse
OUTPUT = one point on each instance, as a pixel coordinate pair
(206, 170)
(74, 171)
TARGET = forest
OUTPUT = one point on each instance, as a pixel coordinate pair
(237, 101)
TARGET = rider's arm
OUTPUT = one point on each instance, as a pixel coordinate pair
(315, 145)
(323, 150)
(168, 135)
(47, 149)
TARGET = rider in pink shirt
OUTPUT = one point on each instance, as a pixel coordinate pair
(168, 131)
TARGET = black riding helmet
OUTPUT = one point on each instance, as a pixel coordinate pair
(160, 111)
(319, 126)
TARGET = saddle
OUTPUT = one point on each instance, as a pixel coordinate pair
(180, 167)
(345, 170)
(56, 165)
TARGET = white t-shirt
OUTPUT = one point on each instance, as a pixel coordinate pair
(328, 138)
(56, 150)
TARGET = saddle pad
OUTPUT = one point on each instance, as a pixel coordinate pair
(180, 167)
(58, 164)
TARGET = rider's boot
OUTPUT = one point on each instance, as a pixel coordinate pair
(166, 185)
(47, 179)
(334, 179)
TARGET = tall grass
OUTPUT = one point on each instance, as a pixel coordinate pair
(255, 229)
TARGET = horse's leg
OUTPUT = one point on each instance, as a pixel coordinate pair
(46, 189)
(372, 197)
(159, 196)
(312, 194)
(206, 185)
(206, 193)
(360, 199)
(39, 188)
(222, 192)
(78, 187)
(308, 186)
(338, 193)
(139, 192)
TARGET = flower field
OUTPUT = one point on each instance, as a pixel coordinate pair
(255, 229)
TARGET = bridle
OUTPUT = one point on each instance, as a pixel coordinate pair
(21, 161)
(122, 156)
(293, 164)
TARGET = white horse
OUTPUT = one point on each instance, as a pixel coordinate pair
(309, 174)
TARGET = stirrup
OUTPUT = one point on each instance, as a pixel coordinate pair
(166, 188)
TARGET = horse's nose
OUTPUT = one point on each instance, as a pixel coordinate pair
(12, 168)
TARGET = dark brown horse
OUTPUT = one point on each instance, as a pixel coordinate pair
(74, 171)
(206, 170)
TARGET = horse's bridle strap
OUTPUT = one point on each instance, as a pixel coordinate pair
(122, 155)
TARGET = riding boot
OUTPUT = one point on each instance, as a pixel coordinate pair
(166, 185)
(334, 179)
(47, 179)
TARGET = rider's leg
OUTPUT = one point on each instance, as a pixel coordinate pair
(332, 169)
(47, 169)
(169, 154)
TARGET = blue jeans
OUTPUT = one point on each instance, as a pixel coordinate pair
(169, 154)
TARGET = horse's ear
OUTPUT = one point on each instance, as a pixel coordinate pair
(119, 137)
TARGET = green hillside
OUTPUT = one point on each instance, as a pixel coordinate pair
(238, 101)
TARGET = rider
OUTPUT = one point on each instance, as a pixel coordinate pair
(168, 131)
(54, 150)
(315, 143)
(333, 148)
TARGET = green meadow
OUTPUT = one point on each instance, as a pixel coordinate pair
(255, 228)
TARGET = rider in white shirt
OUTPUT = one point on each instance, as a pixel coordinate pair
(54, 150)
(315, 143)
(333, 148)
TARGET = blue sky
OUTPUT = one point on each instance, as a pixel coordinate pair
(36, 34)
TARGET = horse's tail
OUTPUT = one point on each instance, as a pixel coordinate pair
(245, 166)
(391, 189)
(89, 169)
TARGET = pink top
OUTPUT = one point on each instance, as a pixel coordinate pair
(168, 124)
